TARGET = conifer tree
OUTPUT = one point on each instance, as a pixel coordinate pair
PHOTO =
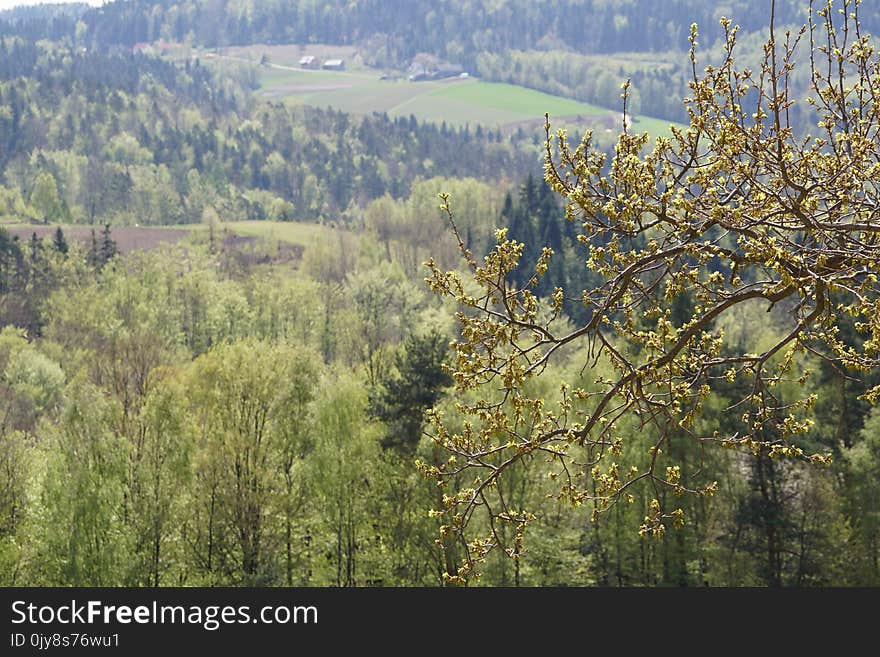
(60, 242)
(108, 246)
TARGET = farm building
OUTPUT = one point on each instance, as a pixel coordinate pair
(446, 71)
(308, 61)
(334, 65)
(420, 72)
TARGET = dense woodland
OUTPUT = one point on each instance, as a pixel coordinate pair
(130, 139)
(581, 49)
(189, 417)
(457, 29)
(202, 415)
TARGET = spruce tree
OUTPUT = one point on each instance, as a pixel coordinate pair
(60, 242)
(108, 246)
(35, 248)
(414, 388)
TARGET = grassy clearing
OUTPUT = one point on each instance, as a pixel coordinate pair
(290, 232)
(458, 102)
(654, 127)
(499, 96)
(301, 81)
(491, 104)
(631, 61)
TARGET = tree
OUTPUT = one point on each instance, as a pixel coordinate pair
(83, 489)
(60, 242)
(212, 220)
(404, 397)
(293, 442)
(344, 476)
(250, 404)
(10, 255)
(14, 462)
(735, 211)
(160, 465)
(44, 197)
(383, 301)
(865, 462)
(108, 246)
(93, 254)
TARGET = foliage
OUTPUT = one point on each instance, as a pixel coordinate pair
(247, 410)
(91, 138)
(415, 387)
(733, 211)
(395, 31)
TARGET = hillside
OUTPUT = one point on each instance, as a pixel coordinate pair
(135, 139)
(515, 41)
(457, 101)
(270, 325)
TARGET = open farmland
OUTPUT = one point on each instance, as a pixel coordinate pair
(490, 103)
(144, 238)
(127, 238)
(457, 101)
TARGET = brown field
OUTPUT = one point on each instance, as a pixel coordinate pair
(245, 241)
(127, 238)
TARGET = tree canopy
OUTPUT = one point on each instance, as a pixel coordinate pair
(736, 211)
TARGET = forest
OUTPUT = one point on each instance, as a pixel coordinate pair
(579, 49)
(232, 411)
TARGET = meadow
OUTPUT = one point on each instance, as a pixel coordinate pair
(455, 101)
(289, 232)
(146, 238)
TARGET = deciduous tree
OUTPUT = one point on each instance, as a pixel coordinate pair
(736, 210)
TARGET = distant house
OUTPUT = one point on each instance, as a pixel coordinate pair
(334, 65)
(420, 72)
(446, 71)
(308, 61)
(417, 71)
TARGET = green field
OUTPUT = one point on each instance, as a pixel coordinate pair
(290, 232)
(489, 103)
(456, 101)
